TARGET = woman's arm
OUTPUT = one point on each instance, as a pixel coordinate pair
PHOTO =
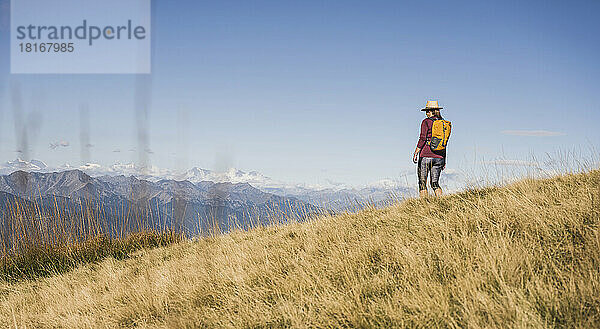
(421, 142)
(423, 135)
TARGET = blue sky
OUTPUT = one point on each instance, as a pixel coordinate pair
(309, 91)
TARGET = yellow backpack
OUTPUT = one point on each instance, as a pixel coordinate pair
(440, 133)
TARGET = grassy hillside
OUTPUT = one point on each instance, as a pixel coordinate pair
(523, 256)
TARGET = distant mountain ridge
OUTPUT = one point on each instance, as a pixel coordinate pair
(183, 201)
(332, 196)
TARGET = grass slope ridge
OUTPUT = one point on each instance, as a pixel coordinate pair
(522, 256)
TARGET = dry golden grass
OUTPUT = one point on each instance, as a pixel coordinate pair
(522, 256)
(38, 240)
(46, 260)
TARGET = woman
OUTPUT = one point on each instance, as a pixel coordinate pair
(429, 162)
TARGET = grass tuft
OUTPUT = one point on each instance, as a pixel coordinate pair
(36, 262)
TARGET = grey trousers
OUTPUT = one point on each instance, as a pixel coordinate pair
(432, 167)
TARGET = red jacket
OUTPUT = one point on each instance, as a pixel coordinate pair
(424, 137)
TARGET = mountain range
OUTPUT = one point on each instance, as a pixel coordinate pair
(331, 196)
(191, 207)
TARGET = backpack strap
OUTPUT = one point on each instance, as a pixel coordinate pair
(429, 131)
(433, 119)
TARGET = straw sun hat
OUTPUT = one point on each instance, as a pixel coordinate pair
(432, 105)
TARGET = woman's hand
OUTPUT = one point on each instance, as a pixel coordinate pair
(416, 155)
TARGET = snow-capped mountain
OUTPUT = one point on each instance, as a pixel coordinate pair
(154, 173)
(191, 206)
(332, 195)
(18, 164)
